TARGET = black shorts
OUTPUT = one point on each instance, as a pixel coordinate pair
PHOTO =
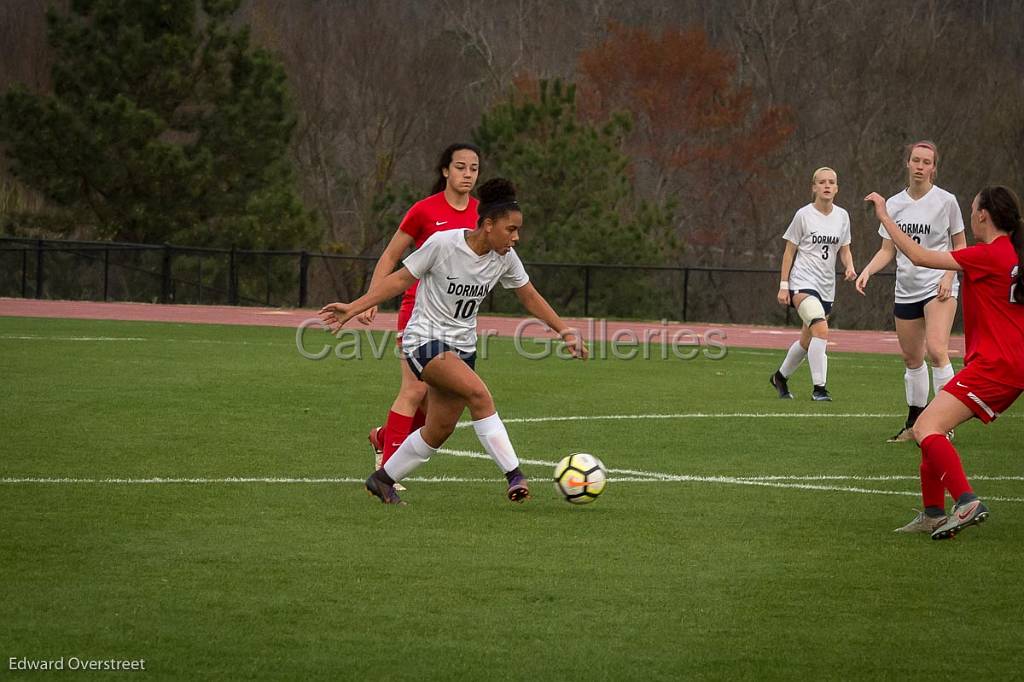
(911, 311)
(827, 305)
(421, 357)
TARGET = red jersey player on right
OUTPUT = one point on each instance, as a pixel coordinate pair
(993, 373)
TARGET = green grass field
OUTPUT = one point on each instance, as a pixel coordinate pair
(664, 578)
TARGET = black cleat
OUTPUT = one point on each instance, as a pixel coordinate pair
(781, 385)
(382, 491)
(517, 489)
(821, 393)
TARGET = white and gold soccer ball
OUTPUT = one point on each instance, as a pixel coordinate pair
(580, 478)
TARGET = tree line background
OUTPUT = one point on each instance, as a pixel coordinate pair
(656, 132)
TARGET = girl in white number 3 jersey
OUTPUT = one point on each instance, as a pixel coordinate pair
(925, 298)
(818, 235)
(456, 270)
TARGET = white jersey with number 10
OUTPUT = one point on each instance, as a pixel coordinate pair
(454, 281)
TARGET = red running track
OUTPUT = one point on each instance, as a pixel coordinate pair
(738, 336)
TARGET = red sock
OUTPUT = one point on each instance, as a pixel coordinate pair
(396, 428)
(944, 462)
(933, 493)
(418, 420)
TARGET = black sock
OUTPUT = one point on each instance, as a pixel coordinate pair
(966, 498)
(512, 474)
(383, 477)
(934, 512)
(912, 414)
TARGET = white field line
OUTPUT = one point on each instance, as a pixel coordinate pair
(697, 415)
(638, 477)
(72, 338)
(766, 482)
(836, 477)
(227, 480)
(725, 480)
(662, 478)
(216, 342)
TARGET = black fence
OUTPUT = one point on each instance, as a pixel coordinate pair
(112, 271)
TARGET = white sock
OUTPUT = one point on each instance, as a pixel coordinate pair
(413, 452)
(916, 382)
(793, 359)
(818, 361)
(493, 436)
(940, 376)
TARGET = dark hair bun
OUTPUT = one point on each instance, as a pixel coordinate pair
(497, 191)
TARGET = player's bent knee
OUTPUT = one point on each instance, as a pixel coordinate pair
(938, 357)
(479, 401)
(921, 432)
(913, 361)
(413, 391)
(811, 311)
(437, 432)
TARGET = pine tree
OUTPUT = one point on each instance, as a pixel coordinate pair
(574, 179)
(164, 125)
(575, 185)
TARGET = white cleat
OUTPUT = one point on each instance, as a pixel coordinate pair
(922, 523)
(906, 435)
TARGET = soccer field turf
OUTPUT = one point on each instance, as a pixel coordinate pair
(753, 545)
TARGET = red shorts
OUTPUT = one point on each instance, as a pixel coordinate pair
(986, 397)
(404, 313)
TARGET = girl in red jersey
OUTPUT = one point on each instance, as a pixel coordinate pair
(993, 373)
(449, 207)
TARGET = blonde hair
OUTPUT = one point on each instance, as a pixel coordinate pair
(814, 175)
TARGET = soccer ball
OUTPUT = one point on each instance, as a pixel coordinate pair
(580, 478)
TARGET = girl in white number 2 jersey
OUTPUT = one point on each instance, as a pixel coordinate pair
(925, 298)
(820, 232)
(457, 270)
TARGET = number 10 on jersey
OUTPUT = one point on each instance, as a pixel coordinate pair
(465, 308)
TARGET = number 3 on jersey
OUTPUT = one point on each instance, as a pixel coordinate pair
(465, 309)
(824, 252)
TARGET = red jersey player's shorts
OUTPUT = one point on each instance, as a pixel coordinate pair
(986, 397)
(404, 314)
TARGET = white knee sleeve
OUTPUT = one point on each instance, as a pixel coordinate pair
(810, 310)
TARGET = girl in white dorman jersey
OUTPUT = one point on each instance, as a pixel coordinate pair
(456, 270)
(817, 236)
(925, 298)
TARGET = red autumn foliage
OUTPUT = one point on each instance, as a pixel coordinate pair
(688, 109)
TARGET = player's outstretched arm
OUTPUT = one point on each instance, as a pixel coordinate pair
(886, 252)
(386, 264)
(335, 315)
(918, 255)
(537, 306)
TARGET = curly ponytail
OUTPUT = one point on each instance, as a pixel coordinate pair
(497, 197)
